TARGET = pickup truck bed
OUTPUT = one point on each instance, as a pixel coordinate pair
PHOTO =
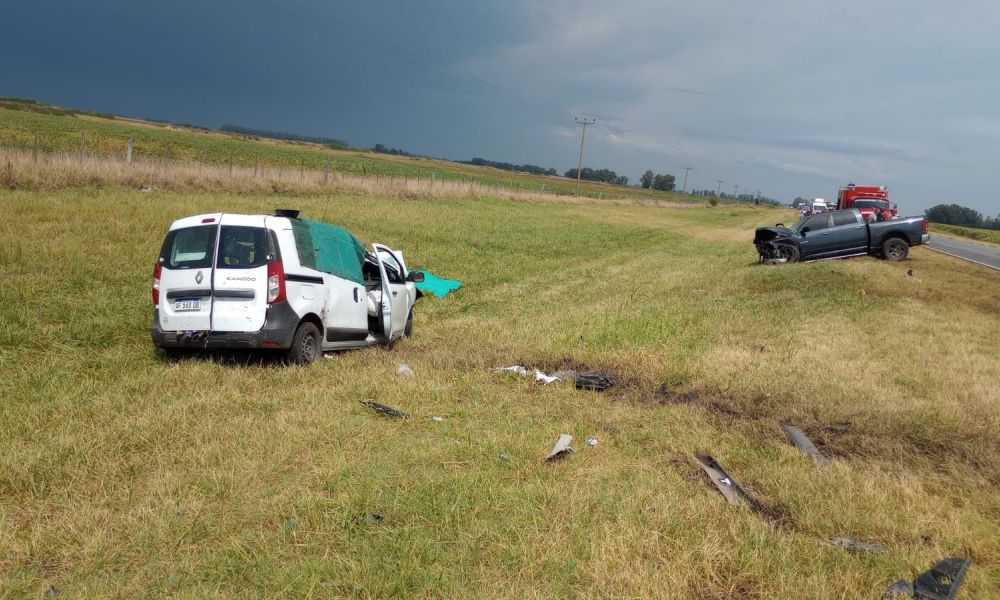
(838, 234)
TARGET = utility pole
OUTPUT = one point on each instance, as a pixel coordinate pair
(736, 192)
(579, 164)
(718, 190)
(686, 169)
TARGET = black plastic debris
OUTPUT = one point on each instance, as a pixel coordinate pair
(385, 410)
(596, 382)
(803, 443)
(940, 582)
(849, 543)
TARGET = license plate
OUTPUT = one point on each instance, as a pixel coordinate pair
(185, 304)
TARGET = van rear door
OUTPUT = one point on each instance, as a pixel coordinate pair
(239, 289)
(186, 274)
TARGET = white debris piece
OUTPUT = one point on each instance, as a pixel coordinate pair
(562, 446)
(512, 369)
(404, 370)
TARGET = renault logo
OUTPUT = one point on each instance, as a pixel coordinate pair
(199, 277)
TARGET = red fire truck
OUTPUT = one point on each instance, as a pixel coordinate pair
(868, 199)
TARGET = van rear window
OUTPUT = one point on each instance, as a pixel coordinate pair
(189, 248)
(242, 247)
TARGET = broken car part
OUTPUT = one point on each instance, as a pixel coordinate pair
(562, 447)
(385, 410)
(849, 543)
(940, 582)
(730, 490)
(803, 443)
(593, 381)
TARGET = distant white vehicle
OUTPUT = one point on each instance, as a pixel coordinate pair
(818, 205)
(277, 282)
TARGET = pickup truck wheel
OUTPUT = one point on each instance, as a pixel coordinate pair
(305, 345)
(895, 249)
(788, 252)
(408, 330)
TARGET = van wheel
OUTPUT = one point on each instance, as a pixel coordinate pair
(895, 249)
(408, 330)
(788, 252)
(305, 345)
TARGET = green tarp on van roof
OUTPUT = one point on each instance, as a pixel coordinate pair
(329, 249)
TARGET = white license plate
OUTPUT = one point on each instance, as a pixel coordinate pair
(185, 304)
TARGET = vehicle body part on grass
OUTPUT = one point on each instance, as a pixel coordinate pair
(432, 284)
(539, 374)
(596, 382)
(516, 369)
(404, 370)
(803, 443)
(592, 441)
(561, 448)
(849, 543)
(279, 282)
(384, 409)
(840, 234)
(730, 490)
(940, 582)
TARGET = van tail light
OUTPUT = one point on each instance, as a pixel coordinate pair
(275, 282)
(923, 225)
(156, 284)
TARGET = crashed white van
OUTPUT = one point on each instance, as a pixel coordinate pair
(230, 281)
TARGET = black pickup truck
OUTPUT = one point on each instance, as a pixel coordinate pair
(838, 234)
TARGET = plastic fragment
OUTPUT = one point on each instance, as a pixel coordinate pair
(404, 370)
(592, 441)
(562, 447)
(803, 443)
(385, 410)
(849, 543)
(593, 381)
(438, 419)
(374, 517)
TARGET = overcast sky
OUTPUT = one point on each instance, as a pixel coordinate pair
(790, 97)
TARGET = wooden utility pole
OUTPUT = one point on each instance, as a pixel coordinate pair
(686, 169)
(579, 164)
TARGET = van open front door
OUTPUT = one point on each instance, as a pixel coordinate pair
(185, 270)
(394, 293)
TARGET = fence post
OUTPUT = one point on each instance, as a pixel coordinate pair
(256, 163)
(302, 169)
(128, 152)
(326, 172)
(230, 164)
(81, 146)
(432, 178)
(34, 151)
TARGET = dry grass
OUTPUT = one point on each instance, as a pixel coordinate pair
(127, 475)
(24, 170)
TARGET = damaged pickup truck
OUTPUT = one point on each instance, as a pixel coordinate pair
(839, 234)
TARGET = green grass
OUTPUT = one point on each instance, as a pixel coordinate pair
(127, 475)
(983, 235)
(55, 129)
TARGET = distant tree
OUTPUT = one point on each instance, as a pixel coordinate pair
(798, 202)
(664, 183)
(647, 179)
(588, 174)
(526, 168)
(955, 214)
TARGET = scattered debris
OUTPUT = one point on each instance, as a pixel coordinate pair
(849, 543)
(940, 582)
(385, 410)
(504, 456)
(730, 490)
(288, 526)
(146, 190)
(562, 447)
(592, 441)
(593, 381)
(909, 272)
(803, 443)
(404, 370)
(438, 419)
(52, 592)
(539, 374)
(512, 369)
(373, 518)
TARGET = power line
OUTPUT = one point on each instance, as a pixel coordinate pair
(579, 164)
(686, 169)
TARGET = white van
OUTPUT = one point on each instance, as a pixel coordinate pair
(227, 281)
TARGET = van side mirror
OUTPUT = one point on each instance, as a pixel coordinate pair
(804, 231)
(415, 276)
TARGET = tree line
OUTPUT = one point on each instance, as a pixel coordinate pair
(665, 182)
(506, 166)
(284, 135)
(602, 175)
(956, 214)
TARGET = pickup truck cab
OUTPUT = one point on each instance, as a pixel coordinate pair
(838, 234)
(231, 281)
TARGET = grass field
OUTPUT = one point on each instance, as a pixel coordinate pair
(52, 130)
(983, 235)
(127, 475)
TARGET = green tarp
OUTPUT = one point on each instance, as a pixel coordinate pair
(329, 249)
(436, 285)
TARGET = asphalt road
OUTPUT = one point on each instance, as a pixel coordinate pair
(983, 254)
